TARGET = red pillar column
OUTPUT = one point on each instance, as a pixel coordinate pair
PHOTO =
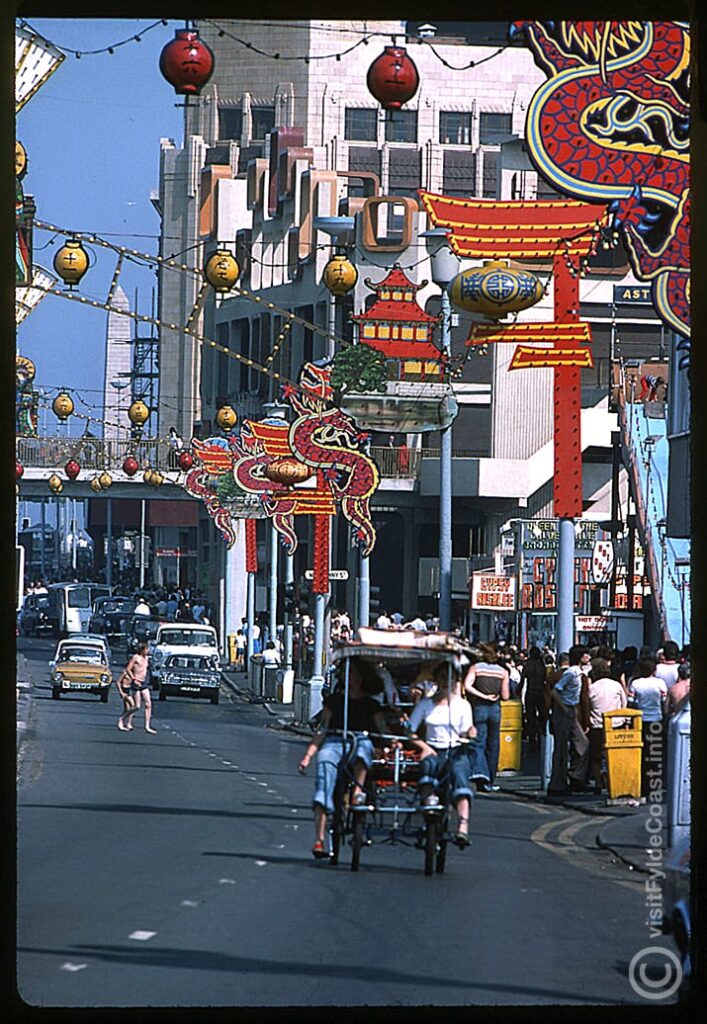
(567, 483)
(322, 527)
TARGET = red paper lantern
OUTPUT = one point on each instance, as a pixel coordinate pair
(130, 466)
(392, 78)
(19, 469)
(186, 62)
(185, 460)
(72, 469)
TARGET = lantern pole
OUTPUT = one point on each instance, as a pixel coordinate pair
(42, 550)
(109, 542)
(289, 578)
(251, 568)
(273, 582)
(142, 543)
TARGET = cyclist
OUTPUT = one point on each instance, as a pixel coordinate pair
(364, 715)
(447, 717)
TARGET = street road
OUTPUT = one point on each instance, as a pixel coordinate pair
(176, 870)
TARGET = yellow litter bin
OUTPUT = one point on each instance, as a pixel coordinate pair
(511, 736)
(232, 650)
(623, 744)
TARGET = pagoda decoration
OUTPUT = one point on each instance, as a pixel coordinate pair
(399, 328)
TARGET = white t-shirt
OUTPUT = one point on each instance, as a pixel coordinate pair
(604, 695)
(667, 672)
(142, 609)
(271, 656)
(649, 694)
(444, 723)
(383, 622)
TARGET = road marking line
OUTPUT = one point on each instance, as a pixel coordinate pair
(226, 762)
(261, 863)
(189, 903)
(540, 833)
(566, 835)
(281, 846)
(273, 791)
(227, 881)
(262, 783)
(72, 967)
(141, 936)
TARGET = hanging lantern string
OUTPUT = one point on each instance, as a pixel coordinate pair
(135, 38)
(278, 342)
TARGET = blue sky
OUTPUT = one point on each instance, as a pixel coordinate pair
(92, 136)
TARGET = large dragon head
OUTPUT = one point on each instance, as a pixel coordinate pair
(315, 390)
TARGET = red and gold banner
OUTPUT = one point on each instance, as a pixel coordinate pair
(525, 357)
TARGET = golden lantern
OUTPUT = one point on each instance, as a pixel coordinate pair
(495, 289)
(288, 472)
(63, 406)
(105, 480)
(20, 159)
(226, 417)
(138, 413)
(95, 485)
(222, 270)
(55, 484)
(156, 479)
(147, 475)
(340, 275)
(71, 262)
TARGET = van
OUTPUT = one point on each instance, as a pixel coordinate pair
(70, 606)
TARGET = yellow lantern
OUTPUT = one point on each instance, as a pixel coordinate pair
(55, 484)
(495, 289)
(63, 406)
(138, 413)
(222, 270)
(226, 417)
(71, 262)
(288, 471)
(147, 475)
(96, 484)
(340, 275)
(105, 480)
(156, 479)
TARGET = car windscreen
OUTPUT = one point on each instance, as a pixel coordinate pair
(111, 606)
(83, 654)
(41, 602)
(189, 661)
(144, 627)
(79, 597)
(187, 638)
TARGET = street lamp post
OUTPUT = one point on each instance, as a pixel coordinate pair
(445, 267)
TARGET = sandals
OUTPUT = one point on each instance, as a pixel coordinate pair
(461, 839)
(319, 851)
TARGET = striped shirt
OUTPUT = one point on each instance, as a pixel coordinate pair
(569, 686)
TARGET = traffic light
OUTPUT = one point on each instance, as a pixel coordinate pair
(305, 603)
(374, 601)
(290, 597)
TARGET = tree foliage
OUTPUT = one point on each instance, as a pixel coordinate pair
(358, 368)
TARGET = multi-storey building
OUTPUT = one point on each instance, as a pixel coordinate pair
(272, 148)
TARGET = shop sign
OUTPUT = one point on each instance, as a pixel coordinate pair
(602, 561)
(493, 591)
(593, 623)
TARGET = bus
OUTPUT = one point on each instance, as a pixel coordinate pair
(70, 605)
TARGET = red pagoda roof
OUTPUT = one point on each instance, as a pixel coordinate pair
(395, 310)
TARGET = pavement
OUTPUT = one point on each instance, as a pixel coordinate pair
(621, 828)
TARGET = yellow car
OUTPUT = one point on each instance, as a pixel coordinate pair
(80, 666)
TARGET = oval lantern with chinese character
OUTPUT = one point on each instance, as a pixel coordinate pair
(226, 417)
(185, 460)
(288, 472)
(138, 413)
(222, 270)
(496, 289)
(186, 62)
(55, 484)
(340, 275)
(105, 480)
(392, 78)
(130, 465)
(71, 262)
(63, 406)
(19, 469)
(72, 469)
(95, 485)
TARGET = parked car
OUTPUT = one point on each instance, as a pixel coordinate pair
(181, 638)
(79, 665)
(33, 618)
(190, 675)
(111, 616)
(140, 629)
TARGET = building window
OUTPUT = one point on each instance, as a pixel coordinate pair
(459, 173)
(493, 128)
(490, 175)
(401, 126)
(404, 174)
(230, 123)
(361, 124)
(263, 121)
(363, 158)
(546, 190)
(455, 127)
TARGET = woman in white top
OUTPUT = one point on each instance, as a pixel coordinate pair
(605, 694)
(448, 722)
(649, 694)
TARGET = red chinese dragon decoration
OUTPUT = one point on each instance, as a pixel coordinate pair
(326, 466)
(611, 123)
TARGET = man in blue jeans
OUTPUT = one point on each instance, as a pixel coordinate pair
(487, 683)
(570, 757)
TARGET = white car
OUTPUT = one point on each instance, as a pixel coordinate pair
(181, 638)
(86, 640)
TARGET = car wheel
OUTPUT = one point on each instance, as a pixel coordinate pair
(56, 693)
(104, 696)
(163, 695)
(214, 698)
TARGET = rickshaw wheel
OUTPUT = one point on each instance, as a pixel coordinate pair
(430, 843)
(357, 841)
(441, 858)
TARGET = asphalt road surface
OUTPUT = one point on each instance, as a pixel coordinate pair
(175, 870)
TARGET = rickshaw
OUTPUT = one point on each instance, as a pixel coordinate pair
(392, 812)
